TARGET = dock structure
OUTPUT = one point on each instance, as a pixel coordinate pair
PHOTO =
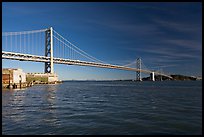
(13, 78)
(16, 78)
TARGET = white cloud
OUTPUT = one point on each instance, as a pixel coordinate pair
(180, 26)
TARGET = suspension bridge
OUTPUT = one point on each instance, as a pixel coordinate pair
(49, 47)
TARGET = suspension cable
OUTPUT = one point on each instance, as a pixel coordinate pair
(78, 48)
(22, 32)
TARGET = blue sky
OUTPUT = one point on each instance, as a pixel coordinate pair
(162, 34)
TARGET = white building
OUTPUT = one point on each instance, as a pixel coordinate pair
(13, 76)
(19, 75)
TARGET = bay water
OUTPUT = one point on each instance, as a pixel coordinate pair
(104, 108)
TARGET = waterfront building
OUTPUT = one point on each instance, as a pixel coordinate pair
(13, 77)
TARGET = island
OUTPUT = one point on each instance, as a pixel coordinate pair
(175, 77)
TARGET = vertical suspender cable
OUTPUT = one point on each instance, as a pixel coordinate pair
(20, 42)
(11, 43)
(15, 49)
(32, 43)
(6, 41)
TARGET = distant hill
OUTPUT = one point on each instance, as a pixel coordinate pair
(182, 77)
(175, 77)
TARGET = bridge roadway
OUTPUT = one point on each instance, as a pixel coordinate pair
(37, 58)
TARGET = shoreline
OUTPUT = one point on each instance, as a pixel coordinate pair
(25, 85)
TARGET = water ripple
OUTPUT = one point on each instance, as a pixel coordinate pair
(104, 108)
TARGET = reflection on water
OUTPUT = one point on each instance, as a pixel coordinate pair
(104, 108)
(51, 94)
(17, 98)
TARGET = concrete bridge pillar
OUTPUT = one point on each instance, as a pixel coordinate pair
(152, 78)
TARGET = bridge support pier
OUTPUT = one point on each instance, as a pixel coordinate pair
(152, 78)
(49, 50)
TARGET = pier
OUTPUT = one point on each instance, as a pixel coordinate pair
(16, 78)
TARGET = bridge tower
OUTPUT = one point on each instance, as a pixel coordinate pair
(49, 50)
(138, 73)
